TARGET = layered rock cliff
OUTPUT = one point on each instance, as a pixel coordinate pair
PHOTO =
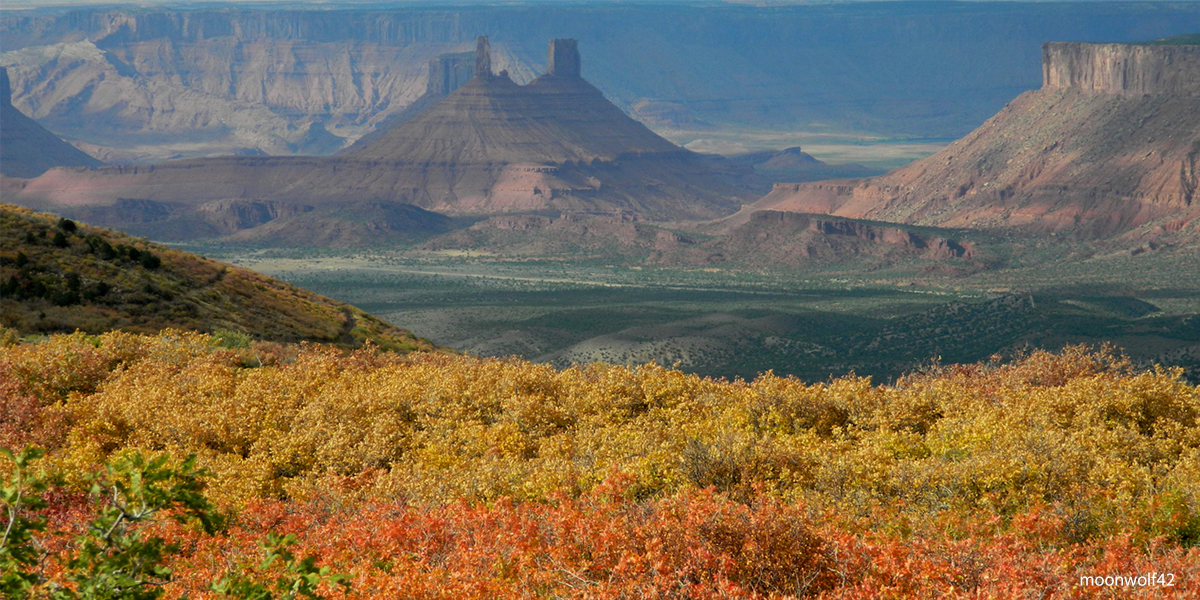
(1122, 68)
(768, 240)
(492, 146)
(1107, 147)
(151, 83)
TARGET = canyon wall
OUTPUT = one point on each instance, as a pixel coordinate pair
(1107, 148)
(144, 84)
(1122, 68)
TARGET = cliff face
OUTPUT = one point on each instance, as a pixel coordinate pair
(491, 147)
(1122, 68)
(1106, 149)
(447, 73)
(146, 84)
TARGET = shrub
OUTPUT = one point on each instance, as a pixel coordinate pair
(467, 477)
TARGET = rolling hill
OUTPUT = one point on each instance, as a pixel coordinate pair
(60, 276)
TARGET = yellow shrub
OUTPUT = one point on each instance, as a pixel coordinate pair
(1076, 430)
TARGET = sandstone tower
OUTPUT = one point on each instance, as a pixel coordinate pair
(563, 58)
(448, 72)
(483, 57)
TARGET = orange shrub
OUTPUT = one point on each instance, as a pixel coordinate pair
(967, 477)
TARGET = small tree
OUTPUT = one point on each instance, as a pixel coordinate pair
(300, 578)
(117, 558)
(21, 491)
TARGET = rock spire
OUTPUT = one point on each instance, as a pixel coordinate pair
(448, 72)
(563, 57)
(483, 57)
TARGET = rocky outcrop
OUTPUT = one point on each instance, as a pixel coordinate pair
(1122, 68)
(490, 147)
(153, 82)
(447, 73)
(783, 225)
(26, 148)
(231, 216)
(768, 239)
(563, 58)
(1106, 149)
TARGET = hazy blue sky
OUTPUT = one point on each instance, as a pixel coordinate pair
(14, 4)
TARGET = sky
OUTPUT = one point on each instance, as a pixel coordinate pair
(28, 4)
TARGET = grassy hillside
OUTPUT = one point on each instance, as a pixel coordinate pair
(59, 276)
(437, 476)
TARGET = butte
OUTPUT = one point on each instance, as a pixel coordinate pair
(490, 147)
(1106, 149)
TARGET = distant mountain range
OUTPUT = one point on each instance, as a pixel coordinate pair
(1106, 150)
(152, 83)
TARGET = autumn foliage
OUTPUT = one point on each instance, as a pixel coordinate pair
(441, 476)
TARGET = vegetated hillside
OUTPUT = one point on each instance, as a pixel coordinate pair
(1108, 147)
(28, 149)
(456, 477)
(58, 276)
(152, 83)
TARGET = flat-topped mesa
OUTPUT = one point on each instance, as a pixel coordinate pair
(489, 147)
(1122, 68)
(563, 58)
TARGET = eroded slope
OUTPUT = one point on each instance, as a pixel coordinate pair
(1108, 146)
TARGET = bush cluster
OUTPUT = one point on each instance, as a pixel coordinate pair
(1048, 466)
(24, 278)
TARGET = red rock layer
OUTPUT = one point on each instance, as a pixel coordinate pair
(1083, 156)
